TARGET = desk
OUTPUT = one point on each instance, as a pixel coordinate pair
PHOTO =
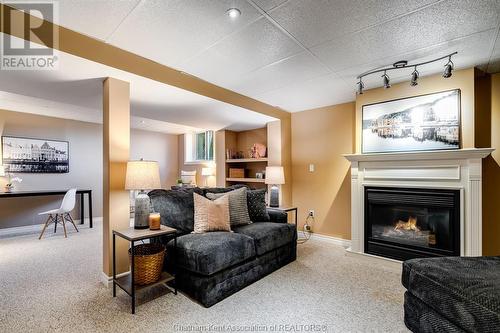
(22, 194)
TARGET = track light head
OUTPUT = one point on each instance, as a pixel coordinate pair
(448, 68)
(387, 81)
(414, 78)
(361, 86)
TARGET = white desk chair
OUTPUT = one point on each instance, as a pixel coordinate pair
(61, 214)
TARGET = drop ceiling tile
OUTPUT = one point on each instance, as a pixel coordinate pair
(318, 92)
(258, 45)
(472, 51)
(268, 4)
(92, 17)
(298, 68)
(418, 30)
(172, 31)
(318, 21)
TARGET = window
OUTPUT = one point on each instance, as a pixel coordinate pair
(199, 146)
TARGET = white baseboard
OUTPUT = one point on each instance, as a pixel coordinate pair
(333, 240)
(35, 228)
(107, 281)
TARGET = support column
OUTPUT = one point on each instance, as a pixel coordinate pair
(116, 140)
(279, 153)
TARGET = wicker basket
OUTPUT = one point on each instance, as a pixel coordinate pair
(148, 262)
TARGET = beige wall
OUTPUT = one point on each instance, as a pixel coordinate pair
(320, 137)
(159, 147)
(491, 178)
(85, 141)
(462, 79)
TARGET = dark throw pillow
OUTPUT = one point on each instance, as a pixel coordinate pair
(217, 190)
(176, 207)
(256, 202)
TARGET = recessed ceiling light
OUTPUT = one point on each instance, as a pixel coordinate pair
(233, 13)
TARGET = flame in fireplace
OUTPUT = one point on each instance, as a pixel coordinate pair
(410, 225)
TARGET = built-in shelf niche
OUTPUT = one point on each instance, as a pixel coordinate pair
(243, 141)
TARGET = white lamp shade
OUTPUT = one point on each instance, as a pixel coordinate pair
(207, 172)
(275, 175)
(142, 175)
(2, 171)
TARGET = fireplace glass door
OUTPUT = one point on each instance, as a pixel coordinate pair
(407, 223)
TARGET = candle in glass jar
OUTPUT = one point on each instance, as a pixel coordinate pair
(154, 221)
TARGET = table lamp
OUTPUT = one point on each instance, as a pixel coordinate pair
(207, 172)
(142, 175)
(274, 176)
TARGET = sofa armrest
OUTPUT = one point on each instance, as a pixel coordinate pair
(277, 215)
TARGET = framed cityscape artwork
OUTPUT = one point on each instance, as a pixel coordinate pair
(426, 122)
(27, 155)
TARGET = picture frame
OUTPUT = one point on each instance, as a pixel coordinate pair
(34, 155)
(417, 123)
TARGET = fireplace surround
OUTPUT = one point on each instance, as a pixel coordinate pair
(456, 172)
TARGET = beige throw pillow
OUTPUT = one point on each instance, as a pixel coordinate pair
(211, 215)
(238, 208)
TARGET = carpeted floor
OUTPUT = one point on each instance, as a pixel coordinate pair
(53, 285)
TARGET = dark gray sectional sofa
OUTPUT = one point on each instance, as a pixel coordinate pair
(214, 265)
(452, 294)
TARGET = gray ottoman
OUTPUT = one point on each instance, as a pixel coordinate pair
(452, 294)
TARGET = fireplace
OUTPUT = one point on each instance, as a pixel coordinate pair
(405, 223)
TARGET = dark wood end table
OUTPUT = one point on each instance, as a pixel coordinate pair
(126, 282)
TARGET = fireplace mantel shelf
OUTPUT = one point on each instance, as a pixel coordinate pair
(456, 154)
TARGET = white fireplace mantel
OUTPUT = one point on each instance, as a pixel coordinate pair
(441, 169)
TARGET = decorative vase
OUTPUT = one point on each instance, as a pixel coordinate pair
(9, 188)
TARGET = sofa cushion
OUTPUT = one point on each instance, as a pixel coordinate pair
(212, 252)
(268, 236)
(465, 290)
(256, 202)
(176, 207)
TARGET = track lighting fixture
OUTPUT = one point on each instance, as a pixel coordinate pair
(361, 86)
(414, 77)
(387, 81)
(403, 64)
(448, 68)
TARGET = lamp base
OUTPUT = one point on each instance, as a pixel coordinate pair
(142, 210)
(274, 196)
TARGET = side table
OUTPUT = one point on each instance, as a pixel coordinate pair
(126, 282)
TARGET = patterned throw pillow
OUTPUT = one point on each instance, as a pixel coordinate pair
(238, 210)
(256, 202)
(211, 215)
